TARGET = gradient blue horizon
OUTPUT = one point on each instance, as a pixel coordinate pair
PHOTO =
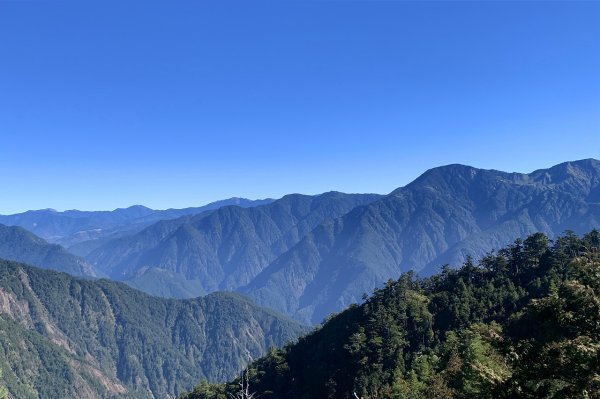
(174, 104)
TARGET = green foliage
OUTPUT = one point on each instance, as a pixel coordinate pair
(558, 343)
(522, 323)
(62, 337)
(3, 391)
(216, 391)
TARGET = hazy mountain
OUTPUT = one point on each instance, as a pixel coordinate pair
(220, 250)
(81, 229)
(20, 245)
(62, 337)
(446, 214)
(310, 255)
(54, 226)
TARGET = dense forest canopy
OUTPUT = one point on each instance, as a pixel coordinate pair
(66, 337)
(523, 322)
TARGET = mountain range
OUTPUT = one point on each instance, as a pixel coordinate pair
(221, 250)
(304, 256)
(63, 337)
(444, 216)
(312, 262)
(308, 256)
(81, 231)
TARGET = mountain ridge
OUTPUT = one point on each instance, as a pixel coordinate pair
(18, 244)
(73, 228)
(307, 256)
(65, 337)
(225, 248)
(443, 216)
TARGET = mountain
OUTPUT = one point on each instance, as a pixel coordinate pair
(308, 256)
(445, 215)
(55, 226)
(523, 323)
(20, 245)
(82, 231)
(63, 337)
(221, 250)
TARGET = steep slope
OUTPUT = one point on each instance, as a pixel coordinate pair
(80, 229)
(524, 323)
(63, 337)
(220, 250)
(20, 245)
(442, 217)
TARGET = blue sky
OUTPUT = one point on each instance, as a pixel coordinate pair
(172, 104)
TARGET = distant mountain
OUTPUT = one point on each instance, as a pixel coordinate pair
(21, 245)
(85, 230)
(308, 256)
(444, 216)
(55, 226)
(221, 250)
(63, 337)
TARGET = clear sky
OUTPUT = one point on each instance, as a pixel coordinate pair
(177, 103)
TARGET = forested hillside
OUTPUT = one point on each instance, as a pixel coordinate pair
(521, 323)
(21, 245)
(62, 337)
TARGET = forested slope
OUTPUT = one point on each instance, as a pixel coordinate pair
(521, 323)
(62, 337)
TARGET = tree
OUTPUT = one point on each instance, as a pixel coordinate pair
(3, 391)
(244, 389)
(558, 338)
(206, 390)
(522, 323)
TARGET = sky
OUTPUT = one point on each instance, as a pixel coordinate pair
(106, 104)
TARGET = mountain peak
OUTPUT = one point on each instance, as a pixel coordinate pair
(238, 201)
(137, 207)
(453, 174)
(453, 169)
(449, 176)
(581, 170)
(45, 210)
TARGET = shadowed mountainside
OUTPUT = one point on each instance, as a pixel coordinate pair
(220, 250)
(20, 245)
